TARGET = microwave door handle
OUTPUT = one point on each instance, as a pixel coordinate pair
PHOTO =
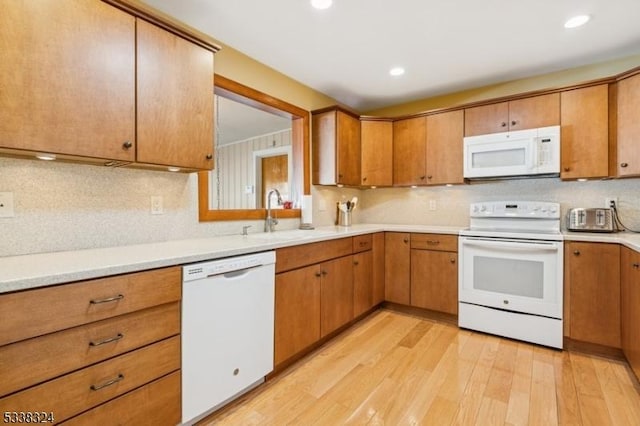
(516, 246)
(535, 146)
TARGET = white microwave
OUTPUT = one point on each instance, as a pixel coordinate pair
(531, 152)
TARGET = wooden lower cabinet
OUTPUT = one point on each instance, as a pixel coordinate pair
(158, 403)
(434, 280)
(297, 311)
(397, 267)
(592, 293)
(363, 282)
(630, 292)
(336, 294)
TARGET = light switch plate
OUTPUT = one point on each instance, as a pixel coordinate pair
(6, 204)
(157, 206)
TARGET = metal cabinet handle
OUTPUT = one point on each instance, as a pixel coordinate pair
(576, 252)
(324, 272)
(107, 383)
(406, 240)
(209, 156)
(624, 164)
(109, 340)
(503, 124)
(127, 145)
(636, 265)
(362, 243)
(566, 169)
(355, 262)
(422, 177)
(433, 242)
(514, 122)
(429, 177)
(452, 260)
(318, 274)
(364, 179)
(107, 300)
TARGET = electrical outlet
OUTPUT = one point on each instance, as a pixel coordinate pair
(157, 206)
(432, 205)
(6, 204)
(607, 201)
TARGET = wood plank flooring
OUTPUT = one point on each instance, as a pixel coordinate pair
(396, 369)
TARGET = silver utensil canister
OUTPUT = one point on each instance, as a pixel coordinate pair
(344, 218)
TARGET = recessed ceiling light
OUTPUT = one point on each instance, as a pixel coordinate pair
(46, 157)
(396, 71)
(577, 21)
(321, 4)
(582, 180)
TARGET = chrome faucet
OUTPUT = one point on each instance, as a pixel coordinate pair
(270, 222)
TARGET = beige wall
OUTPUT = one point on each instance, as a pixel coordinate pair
(541, 82)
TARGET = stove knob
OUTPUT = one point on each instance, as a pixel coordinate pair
(483, 208)
(475, 209)
(553, 210)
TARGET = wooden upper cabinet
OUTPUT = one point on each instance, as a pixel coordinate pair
(444, 147)
(628, 130)
(336, 148)
(67, 78)
(376, 138)
(584, 115)
(410, 151)
(175, 100)
(520, 114)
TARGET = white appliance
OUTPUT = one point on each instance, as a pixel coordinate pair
(510, 276)
(532, 152)
(227, 330)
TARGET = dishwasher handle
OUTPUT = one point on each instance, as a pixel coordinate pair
(237, 273)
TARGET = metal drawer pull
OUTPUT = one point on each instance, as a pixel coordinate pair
(109, 340)
(363, 243)
(107, 300)
(109, 383)
(433, 242)
(636, 265)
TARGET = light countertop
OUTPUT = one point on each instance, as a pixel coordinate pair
(43, 269)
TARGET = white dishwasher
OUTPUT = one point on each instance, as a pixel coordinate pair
(227, 330)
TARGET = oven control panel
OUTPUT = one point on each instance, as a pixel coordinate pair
(516, 209)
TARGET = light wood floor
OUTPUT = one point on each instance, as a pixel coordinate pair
(395, 369)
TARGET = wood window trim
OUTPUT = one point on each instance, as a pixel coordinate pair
(300, 146)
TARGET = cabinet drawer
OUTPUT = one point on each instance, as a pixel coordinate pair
(76, 392)
(362, 243)
(440, 242)
(36, 360)
(307, 254)
(157, 403)
(41, 311)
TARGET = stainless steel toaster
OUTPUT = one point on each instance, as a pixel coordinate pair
(591, 220)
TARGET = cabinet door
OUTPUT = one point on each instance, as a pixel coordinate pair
(378, 267)
(175, 100)
(537, 111)
(434, 280)
(593, 280)
(336, 294)
(397, 273)
(584, 115)
(67, 78)
(628, 126)
(362, 282)
(410, 151)
(297, 311)
(348, 150)
(630, 281)
(444, 147)
(376, 140)
(486, 119)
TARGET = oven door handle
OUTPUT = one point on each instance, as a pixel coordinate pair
(518, 246)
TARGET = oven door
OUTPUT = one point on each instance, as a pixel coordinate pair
(511, 274)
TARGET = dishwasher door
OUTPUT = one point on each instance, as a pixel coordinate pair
(227, 330)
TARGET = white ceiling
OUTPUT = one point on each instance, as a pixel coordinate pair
(238, 122)
(445, 45)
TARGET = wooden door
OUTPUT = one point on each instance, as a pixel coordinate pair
(67, 78)
(336, 294)
(444, 147)
(297, 311)
(536, 111)
(174, 100)
(628, 126)
(410, 151)
(584, 114)
(434, 280)
(376, 140)
(630, 295)
(378, 267)
(275, 175)
(593, 284)
(485, 119)
(362, 282)
(348, 150)
(397, 263)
